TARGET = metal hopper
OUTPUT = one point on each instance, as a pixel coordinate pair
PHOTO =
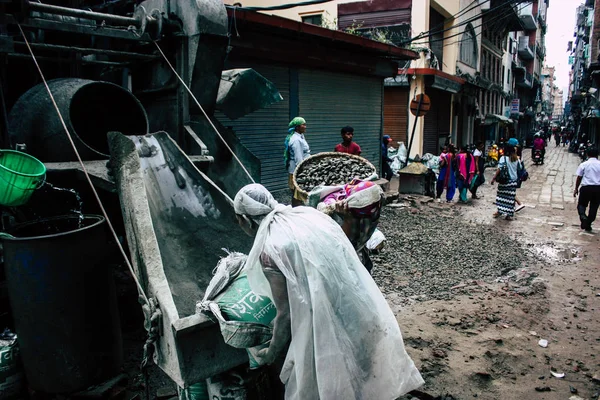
(176, 223)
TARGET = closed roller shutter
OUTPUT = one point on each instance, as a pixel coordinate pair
(329, 101)
(395, 113)
(437, 121)
(263, 131)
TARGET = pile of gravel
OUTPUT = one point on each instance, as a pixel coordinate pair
(428, 253)
(327, 171)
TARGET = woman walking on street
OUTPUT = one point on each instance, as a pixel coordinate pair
(507, 189)
(465, 171)
(480, 169)
(446, 179)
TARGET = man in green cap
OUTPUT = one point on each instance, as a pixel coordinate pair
(296, 150)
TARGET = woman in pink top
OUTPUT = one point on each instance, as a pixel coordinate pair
(465, 171)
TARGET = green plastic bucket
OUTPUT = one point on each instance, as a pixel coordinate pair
(20, 175)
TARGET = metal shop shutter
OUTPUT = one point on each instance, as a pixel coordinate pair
(395, 113)
(264, 131)
(437, 121)
(329, 101)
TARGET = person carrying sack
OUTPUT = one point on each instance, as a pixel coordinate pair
(338, 334)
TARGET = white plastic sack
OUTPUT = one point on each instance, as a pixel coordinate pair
(395, 165)
(376, 240)
(346, 343)
(402, 152)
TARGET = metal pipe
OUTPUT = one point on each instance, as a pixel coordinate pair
(45, 46)
(59, 60)
(74, 12)
(412, 136)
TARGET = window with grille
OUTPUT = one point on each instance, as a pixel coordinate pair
(468, 47)
(316, 19)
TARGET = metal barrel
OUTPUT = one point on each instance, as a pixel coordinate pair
(90, 110)
(63, 302)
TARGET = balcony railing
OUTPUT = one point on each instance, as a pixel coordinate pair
(540, 50)
(524, 80)
(525, 50)
(527, 18)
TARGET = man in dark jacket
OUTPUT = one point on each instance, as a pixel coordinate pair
(386, 170)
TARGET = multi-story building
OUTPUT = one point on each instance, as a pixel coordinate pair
(472, 54)
(557, 107)
(528, 49)
(548, 89)
(582, 101)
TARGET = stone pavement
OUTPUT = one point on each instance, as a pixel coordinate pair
(551, 210)
(551, 184)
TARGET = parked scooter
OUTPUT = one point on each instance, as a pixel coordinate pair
(582, 151)
(492, 156)
(538, 157)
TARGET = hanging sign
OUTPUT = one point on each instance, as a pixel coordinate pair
(514, 106)
(423, 108)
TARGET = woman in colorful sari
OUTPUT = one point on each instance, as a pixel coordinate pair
(446, 179)
(465, 171)
(356, 207)
(505, 197)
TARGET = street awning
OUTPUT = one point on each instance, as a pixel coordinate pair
(492, 118)
(593, 113)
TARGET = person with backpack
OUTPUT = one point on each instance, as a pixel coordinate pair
(507, 176)
(296, 150)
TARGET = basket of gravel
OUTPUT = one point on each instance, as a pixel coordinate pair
(330, 169)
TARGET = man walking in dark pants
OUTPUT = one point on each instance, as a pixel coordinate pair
(588, 176)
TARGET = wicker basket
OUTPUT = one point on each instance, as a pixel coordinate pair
(317, 158)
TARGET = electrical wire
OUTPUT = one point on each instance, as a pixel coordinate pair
(455, 16)
(282, 6)
(85, 172)
(468, 20)
(496, 18)
(204, 112)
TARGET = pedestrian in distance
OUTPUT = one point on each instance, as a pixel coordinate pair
(296, 150)
(514, 142)
(507, 176)
(539, 144)
(480, 169)
(347, 145)
(465, 172)
(386, 169)
(447, 177)
(333, 327)
(587, 186)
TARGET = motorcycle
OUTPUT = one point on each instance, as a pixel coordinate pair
(582, 151)
(492, 157)
(538, 158)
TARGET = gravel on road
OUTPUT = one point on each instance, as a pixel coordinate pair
(429, 251)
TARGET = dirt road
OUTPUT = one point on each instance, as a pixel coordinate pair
(482, 338)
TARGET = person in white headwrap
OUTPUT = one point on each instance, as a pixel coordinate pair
(338, 334)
